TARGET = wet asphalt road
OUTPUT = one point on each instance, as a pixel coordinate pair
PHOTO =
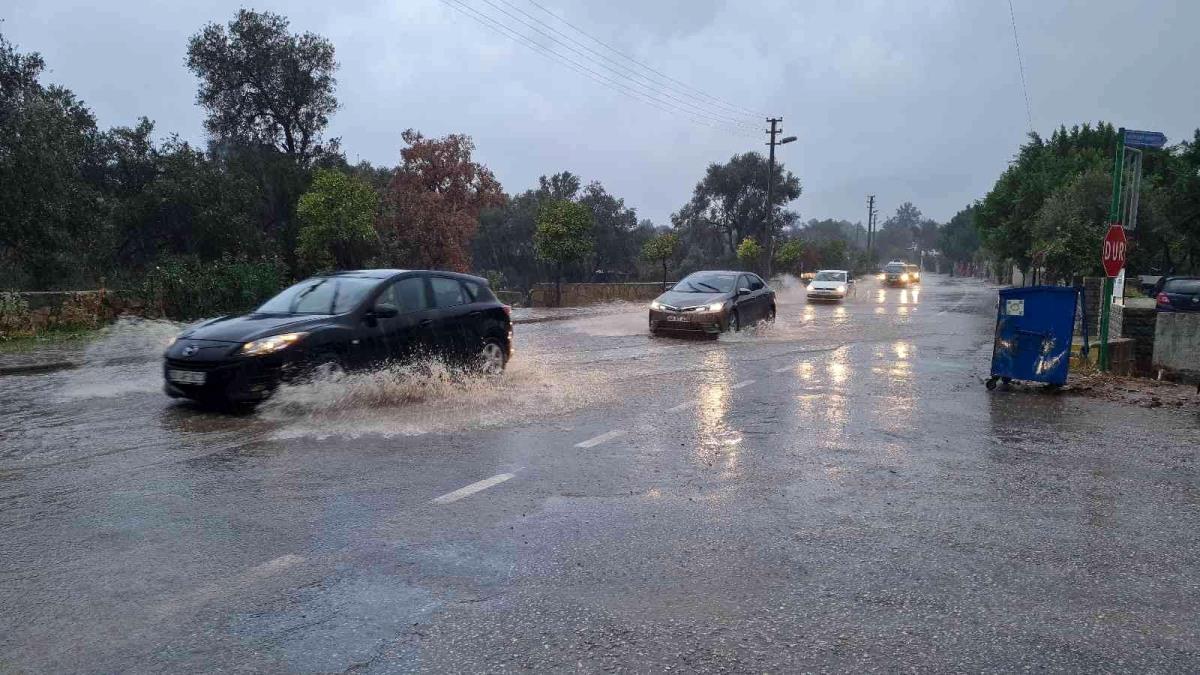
(836, 492)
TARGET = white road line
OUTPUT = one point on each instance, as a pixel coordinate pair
(785, 369)
(743, 383)
(608, 436)
(682, 406)
(472, 489)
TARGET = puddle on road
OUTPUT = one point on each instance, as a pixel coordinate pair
(420, 398)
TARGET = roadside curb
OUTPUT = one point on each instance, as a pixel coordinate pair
(31, 368)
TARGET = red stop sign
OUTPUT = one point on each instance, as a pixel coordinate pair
(1113, 256)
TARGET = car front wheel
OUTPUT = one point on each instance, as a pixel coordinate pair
(734, 325)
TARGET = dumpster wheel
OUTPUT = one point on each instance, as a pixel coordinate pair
(991, 383)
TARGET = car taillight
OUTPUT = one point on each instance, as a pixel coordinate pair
(1163, 299)
(507, 309)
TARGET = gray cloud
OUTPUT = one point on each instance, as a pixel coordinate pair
(915, 101)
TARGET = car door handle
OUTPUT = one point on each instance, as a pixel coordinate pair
(426, 323)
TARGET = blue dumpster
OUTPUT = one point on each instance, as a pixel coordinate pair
(1034, 326)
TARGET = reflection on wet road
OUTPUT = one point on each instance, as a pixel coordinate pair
(839, 482)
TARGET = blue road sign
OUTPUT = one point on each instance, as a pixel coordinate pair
(1144, 139)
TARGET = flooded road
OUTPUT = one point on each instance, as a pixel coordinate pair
(833, 491)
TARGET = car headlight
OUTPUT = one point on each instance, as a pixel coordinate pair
(841, 288)
(172, 341)
(904, 277)
(715, 307)
(270, 345)
(656, 305)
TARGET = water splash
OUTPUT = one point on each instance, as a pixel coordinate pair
(123, 359)
(428, 396)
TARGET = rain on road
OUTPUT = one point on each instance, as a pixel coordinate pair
(836, 491)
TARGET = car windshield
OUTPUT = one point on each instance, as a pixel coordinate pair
(706, 282)
(894, 267)
(1182, 286)
(320, 295)
(830, 276)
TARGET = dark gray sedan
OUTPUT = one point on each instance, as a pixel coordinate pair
(712, 302)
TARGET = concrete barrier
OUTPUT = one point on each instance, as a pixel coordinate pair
(574, 295)
(1177, 345)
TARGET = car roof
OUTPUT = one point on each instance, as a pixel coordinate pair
(722, 272)
(842, 271)
(386, 273)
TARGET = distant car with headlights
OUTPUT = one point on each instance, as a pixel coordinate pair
(896, 273)
(914, 273)
(708, 303)
(829, 285)
(344, 321)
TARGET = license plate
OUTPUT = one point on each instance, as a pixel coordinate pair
(677, 317)
(186, 376)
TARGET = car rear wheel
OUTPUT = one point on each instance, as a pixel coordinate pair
(491, 357)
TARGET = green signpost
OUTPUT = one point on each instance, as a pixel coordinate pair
(1113, 248)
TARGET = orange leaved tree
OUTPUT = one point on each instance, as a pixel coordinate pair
(431, 208)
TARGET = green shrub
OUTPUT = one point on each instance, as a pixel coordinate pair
(186, 288)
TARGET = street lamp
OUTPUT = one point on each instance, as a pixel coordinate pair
(774, 121)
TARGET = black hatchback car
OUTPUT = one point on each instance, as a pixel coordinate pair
(1178, 294)
(346, 320)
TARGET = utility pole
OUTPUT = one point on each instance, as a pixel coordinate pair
(770, 229)
(870, 226)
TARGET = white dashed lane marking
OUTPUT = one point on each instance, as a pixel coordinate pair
(602, 438)
(472, 489)
(743, 383)
(682, 406)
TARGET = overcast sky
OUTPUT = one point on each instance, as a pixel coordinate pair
(917, 101)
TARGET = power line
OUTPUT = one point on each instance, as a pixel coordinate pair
(708, 113)
(643, 65)
(1021, 66)
(665, 106)
(719, 111)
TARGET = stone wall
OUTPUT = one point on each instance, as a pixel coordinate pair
(42, 310)
(574, 295)
(1093, 287)
(1177, 344)
(1138, 324)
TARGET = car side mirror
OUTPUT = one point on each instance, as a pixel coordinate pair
(384, 312)
(743, 291)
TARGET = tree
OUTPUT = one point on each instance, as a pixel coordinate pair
(1071, 224)
(263, 85)
(431, 210)
(615, 228)
(959, 239)
(563, 236)
(749, 252)
(336, 217)
(729, 204)
(49, 147)
(787, 256)
(662, 250)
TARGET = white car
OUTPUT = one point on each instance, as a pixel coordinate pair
(830, 285)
